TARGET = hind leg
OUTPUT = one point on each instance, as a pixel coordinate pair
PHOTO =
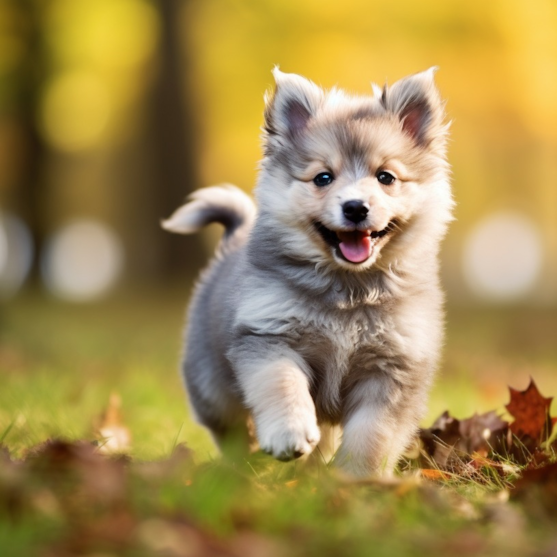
(216, 406)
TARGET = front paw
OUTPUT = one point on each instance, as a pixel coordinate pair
(289, 436)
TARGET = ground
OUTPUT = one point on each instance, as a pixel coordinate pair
(171, 494)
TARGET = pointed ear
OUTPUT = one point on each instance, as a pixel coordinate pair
(290, 107)
(416, 101)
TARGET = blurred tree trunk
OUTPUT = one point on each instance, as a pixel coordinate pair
(173, 145)
(28, 192)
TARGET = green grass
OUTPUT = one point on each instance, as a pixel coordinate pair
(59, 364)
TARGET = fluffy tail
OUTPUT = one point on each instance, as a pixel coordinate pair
(225, 204)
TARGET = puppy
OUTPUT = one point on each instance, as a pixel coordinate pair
(323, 308)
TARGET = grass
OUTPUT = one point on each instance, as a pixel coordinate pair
(59, 364)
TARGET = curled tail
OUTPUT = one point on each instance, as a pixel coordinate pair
(225, 204)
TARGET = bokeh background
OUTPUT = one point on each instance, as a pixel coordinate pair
(112, 111)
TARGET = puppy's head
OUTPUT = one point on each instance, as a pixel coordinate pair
(352, 181)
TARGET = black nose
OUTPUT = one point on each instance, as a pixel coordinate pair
(355, 210)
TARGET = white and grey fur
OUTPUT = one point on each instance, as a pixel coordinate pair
(284, 329)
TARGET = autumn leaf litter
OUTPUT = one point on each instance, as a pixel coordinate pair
(95, 496)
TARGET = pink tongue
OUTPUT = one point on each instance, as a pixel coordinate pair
(355, 246)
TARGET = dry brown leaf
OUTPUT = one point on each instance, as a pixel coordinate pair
(434, 474)
(449, 440)
(530, 411)
(114, 436)
(537, 489)
(544, 474)
(486, 440)
(484, 433)
(79, 465)
(441, 438)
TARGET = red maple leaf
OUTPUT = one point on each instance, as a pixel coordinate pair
(531, 413)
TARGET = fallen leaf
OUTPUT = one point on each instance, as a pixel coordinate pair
(441, 438)
(537, 490)
(543, 475)
(530, 411)
(107, 533)
(434, 474)
(479, 460)
(450, 439)
(484, 433)
(114, 436)
(77, 470)
(488, 441)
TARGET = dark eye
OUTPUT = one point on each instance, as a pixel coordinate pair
(323, 179)
(385, 178)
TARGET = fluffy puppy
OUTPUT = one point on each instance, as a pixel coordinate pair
(323, 308)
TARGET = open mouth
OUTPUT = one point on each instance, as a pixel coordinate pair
(354, 246)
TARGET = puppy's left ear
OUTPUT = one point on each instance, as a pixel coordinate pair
(416, 101)
(291, 106)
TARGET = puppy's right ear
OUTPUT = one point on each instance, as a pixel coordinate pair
(290, 107)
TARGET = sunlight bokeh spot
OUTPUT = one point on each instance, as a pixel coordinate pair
(75, 111)
(16, 254)
(115, 34)
(82, 261)
(503, 257)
